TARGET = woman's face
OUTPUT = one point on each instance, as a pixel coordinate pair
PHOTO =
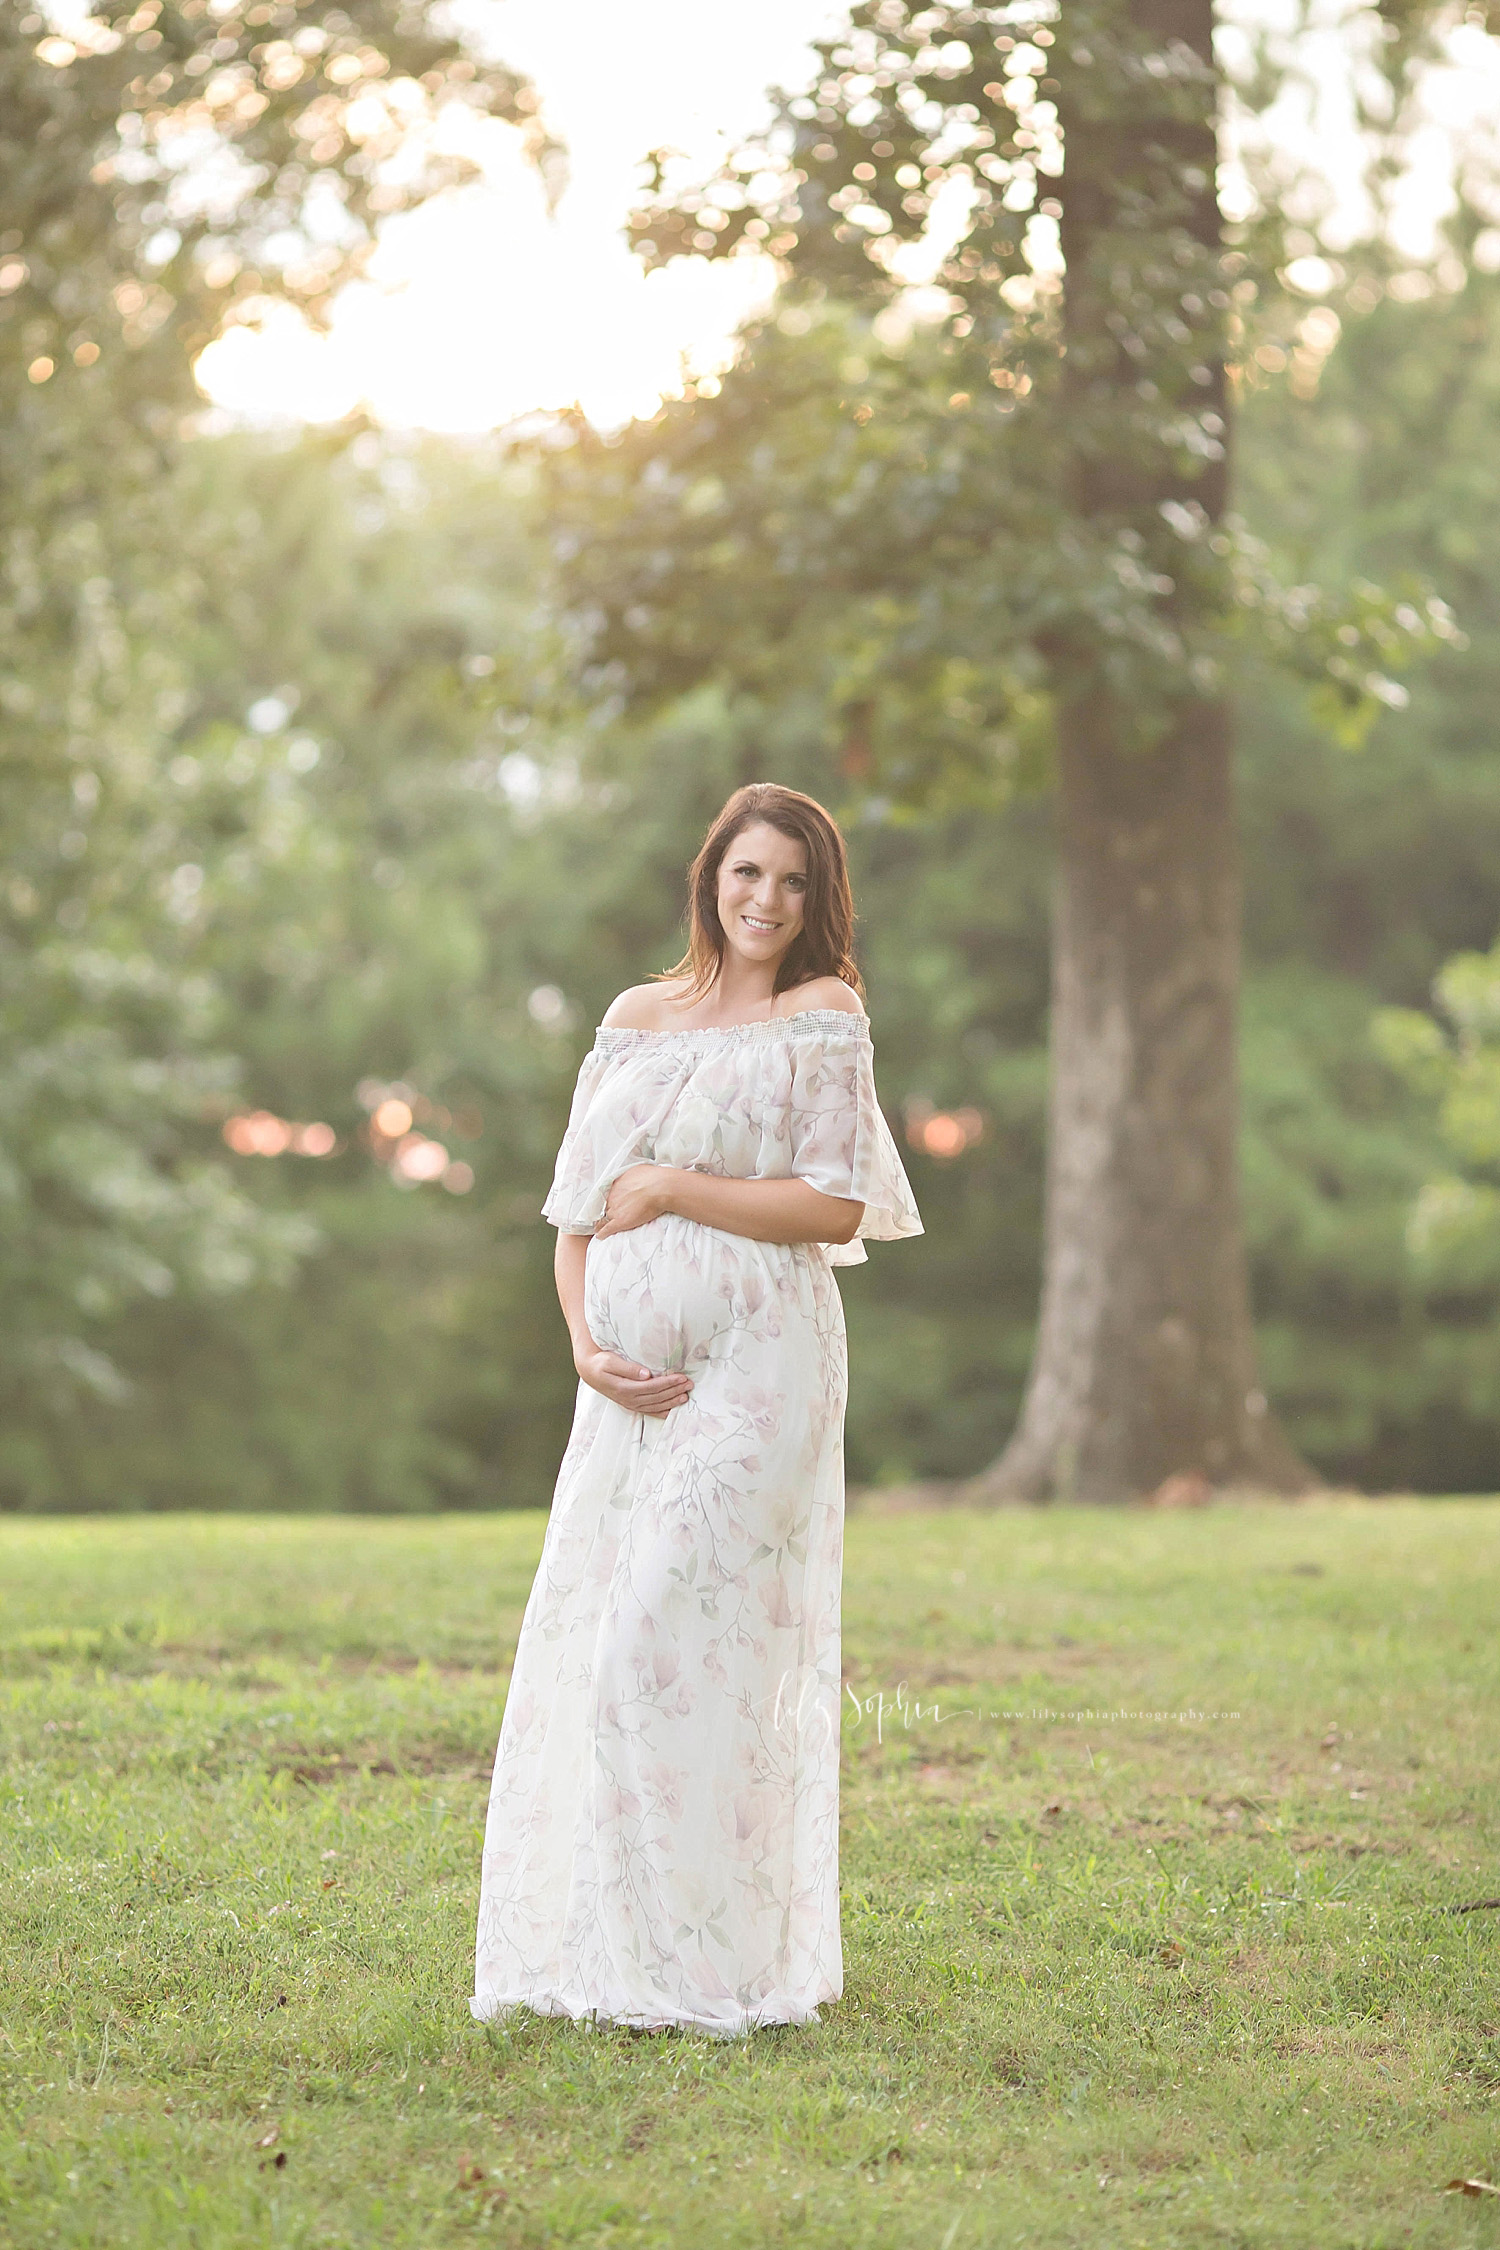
(762, 893)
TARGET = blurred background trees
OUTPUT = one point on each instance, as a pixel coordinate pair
(160, 167)
(319, 813)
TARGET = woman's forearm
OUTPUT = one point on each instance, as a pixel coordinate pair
(761, 1210)
(567, 1268)
(640, 1390)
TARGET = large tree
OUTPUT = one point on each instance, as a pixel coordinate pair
(1014, 551)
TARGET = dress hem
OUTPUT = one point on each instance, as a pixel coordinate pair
(493, 2007)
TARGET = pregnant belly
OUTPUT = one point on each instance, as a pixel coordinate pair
(664, 1293)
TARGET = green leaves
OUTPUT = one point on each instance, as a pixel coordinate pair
(1455, 1064)
(1343, 646)
(931, 520)
(163, 168)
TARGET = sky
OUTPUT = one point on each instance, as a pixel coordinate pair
(484, 306)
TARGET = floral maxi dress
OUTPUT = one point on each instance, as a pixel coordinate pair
(662, 1841)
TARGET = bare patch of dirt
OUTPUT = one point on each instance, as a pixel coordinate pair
(1153, 1831)
(1348, 1847)
(1368, 2042)
(1164, 2156)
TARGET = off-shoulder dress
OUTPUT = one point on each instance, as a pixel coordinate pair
(662, 1839)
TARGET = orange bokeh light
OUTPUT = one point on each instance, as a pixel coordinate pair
(942, 1133)
(392, 1118)
(313, 1140)
(420, 1159)
(259, 1132)
(944, 1136)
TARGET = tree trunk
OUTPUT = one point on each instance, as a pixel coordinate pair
(1144, 1364)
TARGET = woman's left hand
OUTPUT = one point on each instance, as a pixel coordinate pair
(636, 1198)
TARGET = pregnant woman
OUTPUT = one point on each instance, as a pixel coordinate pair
(662, 1842)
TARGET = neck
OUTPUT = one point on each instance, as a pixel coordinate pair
(743, 989)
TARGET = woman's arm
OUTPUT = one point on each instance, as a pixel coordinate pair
(760, 1210)
(619, 1379)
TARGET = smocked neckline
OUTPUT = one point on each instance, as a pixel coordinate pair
(838, 1017)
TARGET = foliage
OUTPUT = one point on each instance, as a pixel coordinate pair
(1364, 875)
(840, 526)
(163, 168)
(345, 898)
(1170, 1981)
(1454, 1059)
(110, 1196)
(936, 530)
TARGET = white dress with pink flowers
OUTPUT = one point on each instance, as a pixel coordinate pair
(662, 1842)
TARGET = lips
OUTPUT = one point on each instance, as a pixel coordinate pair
(751, 922)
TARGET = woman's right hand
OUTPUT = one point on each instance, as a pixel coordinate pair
(630, 1385)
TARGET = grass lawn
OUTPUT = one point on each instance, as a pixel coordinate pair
(1115, 1978)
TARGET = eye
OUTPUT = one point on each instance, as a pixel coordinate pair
(747, 867)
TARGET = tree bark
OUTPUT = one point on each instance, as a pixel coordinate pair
(1144, 1364)
(1145, 1361)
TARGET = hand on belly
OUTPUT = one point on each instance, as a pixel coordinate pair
(637, 1389)
(633, 1200)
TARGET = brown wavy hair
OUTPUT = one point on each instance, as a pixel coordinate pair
(824, 946)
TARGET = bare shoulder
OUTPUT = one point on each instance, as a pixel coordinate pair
(825, 993)
(641, 1007)
(636, 1009)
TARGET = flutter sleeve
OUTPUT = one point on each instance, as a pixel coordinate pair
(841, 1142)
(605, 1133)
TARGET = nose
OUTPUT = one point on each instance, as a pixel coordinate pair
(765, 893)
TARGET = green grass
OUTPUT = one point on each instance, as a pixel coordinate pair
(1110, 1979)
